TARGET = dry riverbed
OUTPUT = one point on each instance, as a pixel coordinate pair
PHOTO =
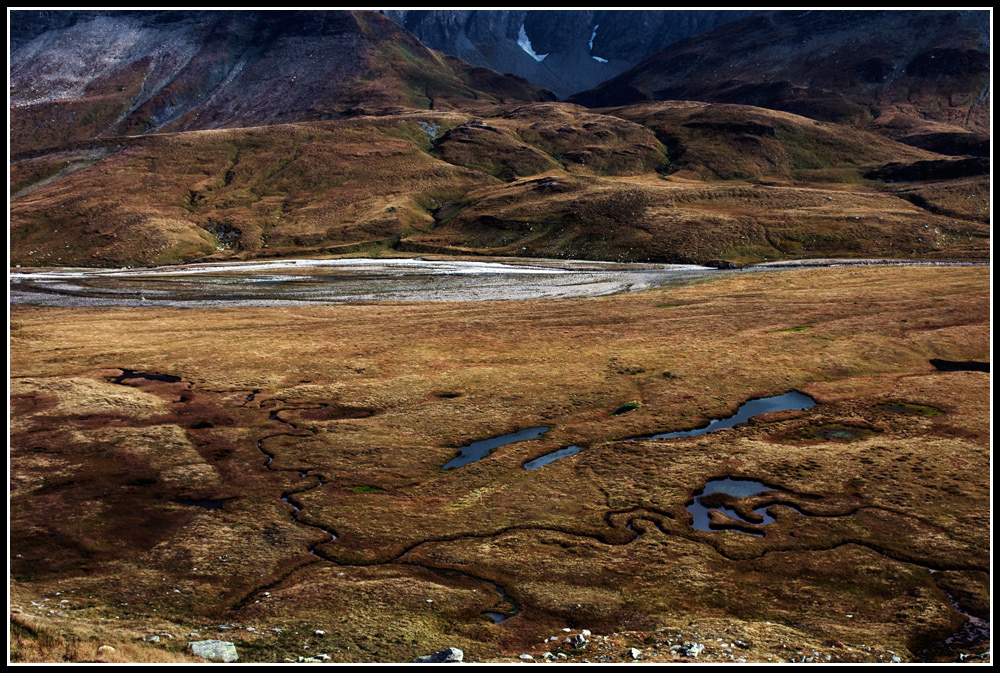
(272, 475)
(322, 281)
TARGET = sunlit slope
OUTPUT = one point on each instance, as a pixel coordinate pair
(669, 181)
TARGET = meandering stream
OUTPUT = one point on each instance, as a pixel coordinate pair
(725, 490)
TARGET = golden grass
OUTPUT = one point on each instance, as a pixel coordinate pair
(665, 181)
(93, 512)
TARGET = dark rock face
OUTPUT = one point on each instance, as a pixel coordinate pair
(574, 49)
(884, 68)
(951, 143)
(79, 75)
(941, 169)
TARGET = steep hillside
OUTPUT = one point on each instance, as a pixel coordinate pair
(917, 76)
(80, 75)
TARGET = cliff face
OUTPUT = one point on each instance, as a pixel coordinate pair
(903, 73)
(78, 75)
(565, 51)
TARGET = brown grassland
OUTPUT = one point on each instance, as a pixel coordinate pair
(147, 506)
(662, 182)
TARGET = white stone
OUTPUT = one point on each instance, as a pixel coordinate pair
(216, 650)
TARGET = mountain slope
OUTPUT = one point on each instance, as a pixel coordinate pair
(565, 51)
(162, 137)
(915, 75)
(80, 75)
(674, 181)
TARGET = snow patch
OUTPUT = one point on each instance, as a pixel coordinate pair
(593, 34)
(525, 44)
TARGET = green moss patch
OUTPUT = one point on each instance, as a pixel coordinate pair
(909, 409)
(837, 432)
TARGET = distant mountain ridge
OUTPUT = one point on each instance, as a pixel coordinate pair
(907, 74)
(82, 74)
(160, 137)
(565, 51)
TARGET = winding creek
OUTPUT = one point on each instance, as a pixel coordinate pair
(721, 495)
(288, 497)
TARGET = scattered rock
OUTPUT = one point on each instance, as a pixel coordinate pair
(694, 650)
(526, 657)
(151, 639)
(635, 653)
(452, 654)
(216, 650)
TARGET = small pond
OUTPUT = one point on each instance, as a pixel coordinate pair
(746, 411)
(542, 461)
(737, 488)
(956, 366)
(484, 447)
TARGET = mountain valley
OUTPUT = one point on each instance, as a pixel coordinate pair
(273, 466)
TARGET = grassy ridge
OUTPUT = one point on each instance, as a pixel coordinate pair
(656, 181)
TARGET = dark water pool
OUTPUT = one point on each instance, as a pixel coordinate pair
(747, 410)
(131, 374)
(541, 461)
(956, 366)
(484, 447)
(204, 504)
(737, 488)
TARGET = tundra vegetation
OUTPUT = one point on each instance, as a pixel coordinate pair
(272, 476)
(206, 501)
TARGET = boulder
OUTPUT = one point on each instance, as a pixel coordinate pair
(450, 655)
(216, 650)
